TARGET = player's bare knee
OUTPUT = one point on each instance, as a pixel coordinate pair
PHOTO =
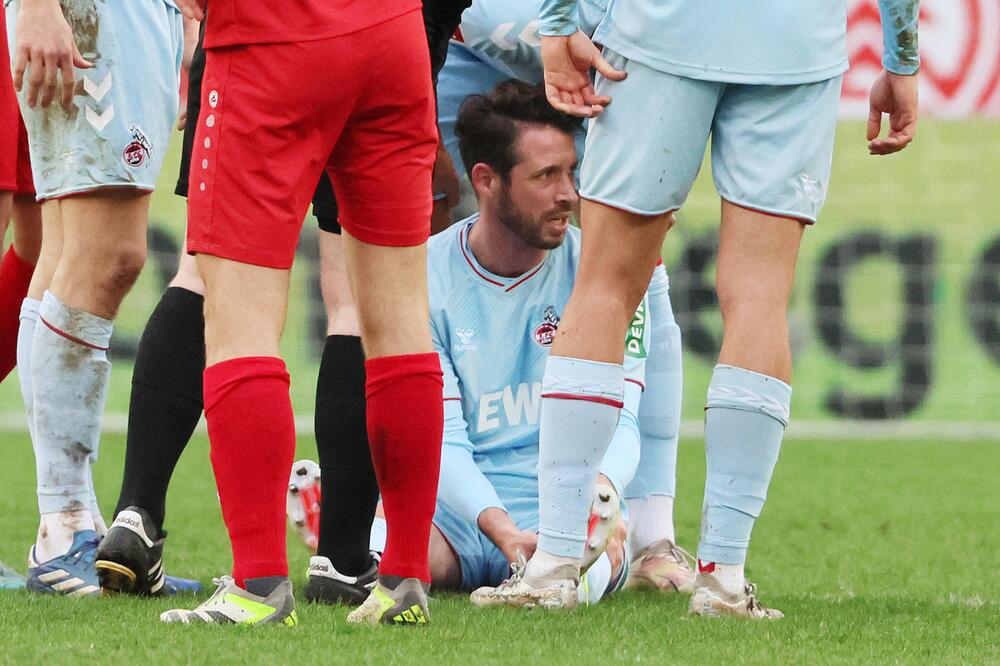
(121, 269)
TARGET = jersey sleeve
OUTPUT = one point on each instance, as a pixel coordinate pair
(622, 457)
(558, 18)
(462, 485)
(899, 35)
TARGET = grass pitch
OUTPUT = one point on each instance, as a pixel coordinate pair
(878, 552)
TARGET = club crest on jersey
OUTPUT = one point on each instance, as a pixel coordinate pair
(138, 150)
(545, 334)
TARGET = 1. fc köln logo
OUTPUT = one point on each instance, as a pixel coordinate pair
(545, 333)
(959, 51)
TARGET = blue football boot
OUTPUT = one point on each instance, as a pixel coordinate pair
(72, 574)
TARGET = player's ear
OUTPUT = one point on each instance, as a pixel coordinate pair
(485, 180)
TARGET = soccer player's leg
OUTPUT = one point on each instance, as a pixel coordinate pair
(98, 197)
(631, 182)
(17, 194)
(245, 246)
(164, 408)
(350, 490)
(381, 171)
(658, 563)
(773, 183)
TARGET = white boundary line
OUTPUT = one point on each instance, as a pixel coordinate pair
(844, 430)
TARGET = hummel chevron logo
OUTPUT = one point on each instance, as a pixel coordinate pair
(100, 120)
(97, 90)
(530, 34)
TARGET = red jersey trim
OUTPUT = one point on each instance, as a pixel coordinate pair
(463, 237)
(526, 277)
(468, 260)
(586, 398)
(71, 338)
(637, 382)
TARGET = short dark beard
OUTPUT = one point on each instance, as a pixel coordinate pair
(522, 226)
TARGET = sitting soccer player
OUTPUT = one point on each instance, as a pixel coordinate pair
(498, 282)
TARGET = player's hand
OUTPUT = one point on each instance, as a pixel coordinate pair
(192, 9)
(896, 95)
(567, 62)
(520, 542)
(182, 117)
(45, 47)
(500, 528)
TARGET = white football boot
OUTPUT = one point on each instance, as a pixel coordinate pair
(710, 600)
(558, 589)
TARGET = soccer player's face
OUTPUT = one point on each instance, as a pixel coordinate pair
(538, 202)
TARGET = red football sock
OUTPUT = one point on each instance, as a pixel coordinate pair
(405, 425)
(252, 432)
(15, 275)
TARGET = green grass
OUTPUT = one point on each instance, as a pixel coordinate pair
(878, 552)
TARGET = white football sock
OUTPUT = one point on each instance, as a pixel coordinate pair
(651, 519)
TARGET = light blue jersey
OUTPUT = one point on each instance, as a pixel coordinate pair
(493, 336)
(734, 41)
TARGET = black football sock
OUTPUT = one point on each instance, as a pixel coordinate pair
(350, 491)
(166, 400)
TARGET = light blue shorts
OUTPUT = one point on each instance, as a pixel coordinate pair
(125, 106)
(772, 146)
(481, 561)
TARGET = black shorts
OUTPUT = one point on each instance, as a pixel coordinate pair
(324, 203)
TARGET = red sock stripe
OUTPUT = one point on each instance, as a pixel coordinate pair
(587, 398)
(71, 338)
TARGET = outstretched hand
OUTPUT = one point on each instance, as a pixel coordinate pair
(568, 61)
(896, 95)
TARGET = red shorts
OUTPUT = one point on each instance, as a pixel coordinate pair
(273, 116)
(15, 166)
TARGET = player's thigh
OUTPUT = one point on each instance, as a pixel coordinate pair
(644, 152)
(245, 308)
(446, 570)
(27, 214)
(125, 107)
(462, 566)
(619, 251)
(772, 146)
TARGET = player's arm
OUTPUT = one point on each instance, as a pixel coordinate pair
(622, 457)
(45, 47)
(895, 90)
(567, 56)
